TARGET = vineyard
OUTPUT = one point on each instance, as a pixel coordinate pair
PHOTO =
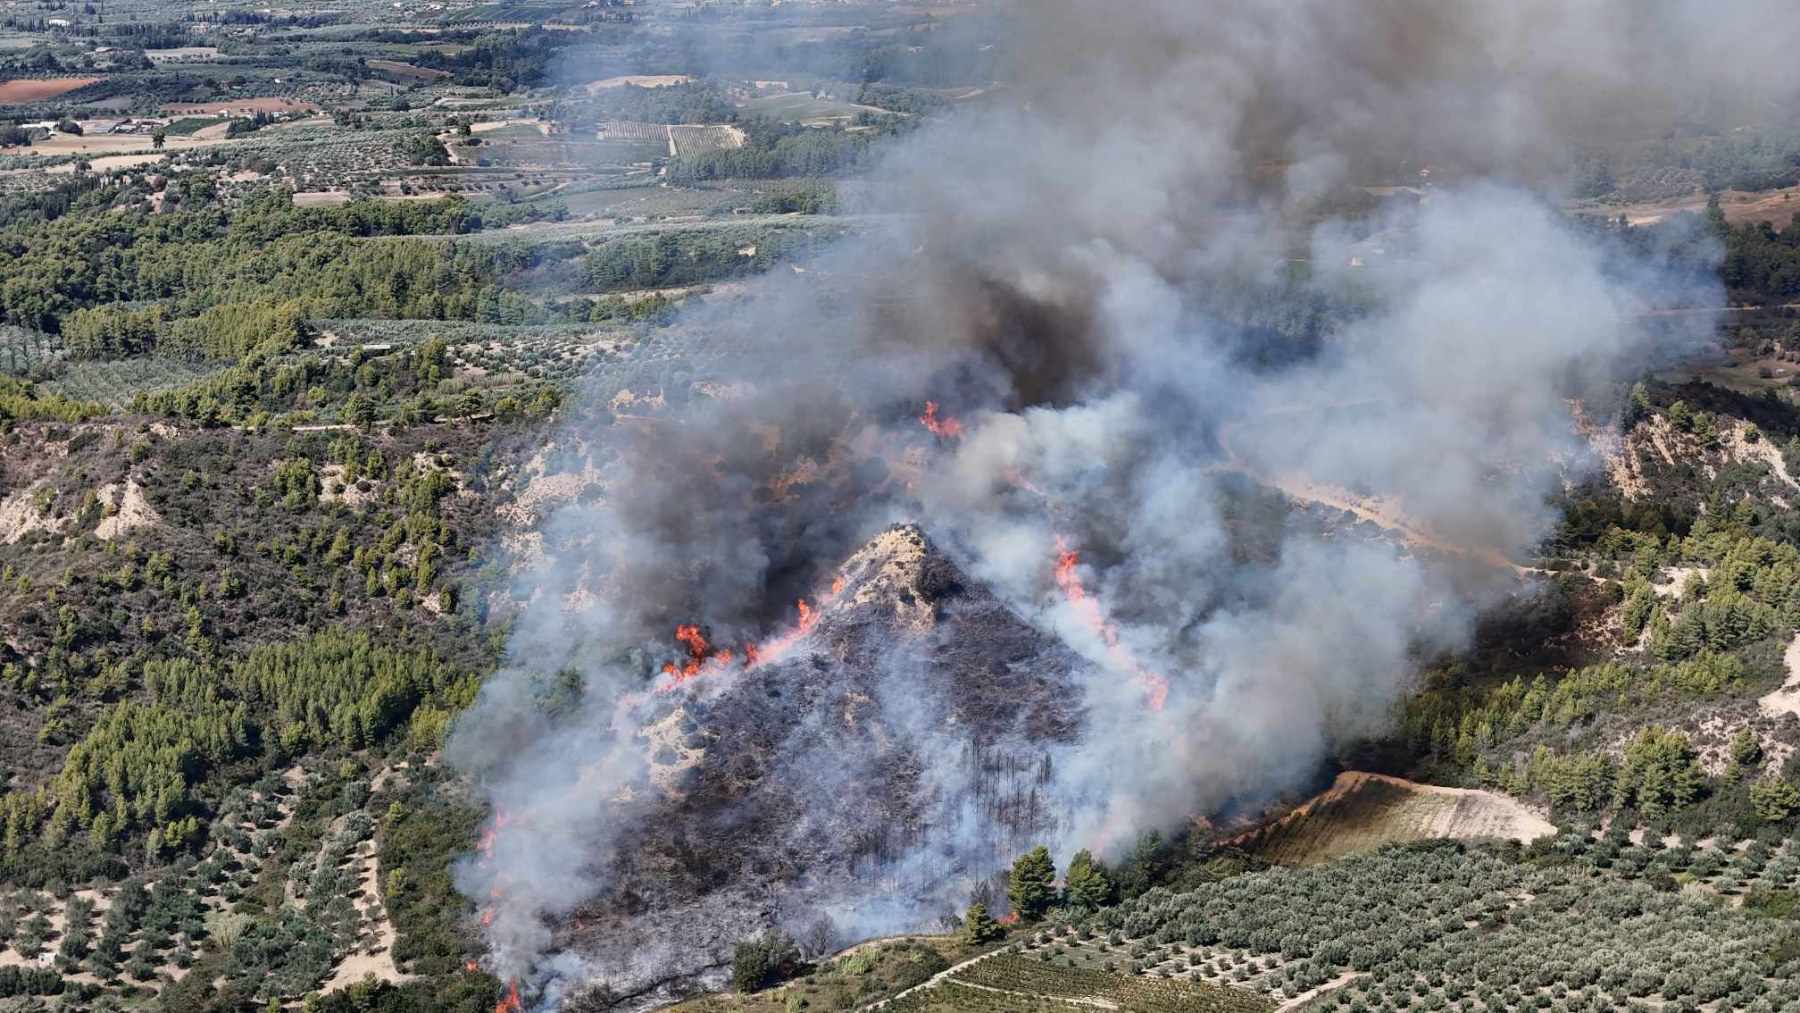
(698, 140)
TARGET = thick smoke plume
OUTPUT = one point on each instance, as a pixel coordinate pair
(1131, 277)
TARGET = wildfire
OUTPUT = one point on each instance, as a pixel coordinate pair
(501, 819)
(704, 659)
(487, 913)
(1087, 608)
(700, 656)
(471, 967)
(945, 428)
(773, 648)
(510, 1002)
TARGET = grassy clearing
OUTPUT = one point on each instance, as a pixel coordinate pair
(1363, 812)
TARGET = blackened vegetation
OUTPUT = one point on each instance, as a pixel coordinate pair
(896, 666)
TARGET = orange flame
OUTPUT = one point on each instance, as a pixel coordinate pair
(511, 1003)
(501, 819)
(1087, 609)
(703, 659)
(773, 648)
(701, 656)
(946, 428)
(1009, 918)
(471, 967)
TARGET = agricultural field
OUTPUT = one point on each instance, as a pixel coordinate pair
(1435, 926)
(1362, 812)
(21, 91)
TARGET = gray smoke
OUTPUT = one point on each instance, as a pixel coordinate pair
(1111, 269)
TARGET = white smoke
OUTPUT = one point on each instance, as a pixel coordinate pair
(1071, 271)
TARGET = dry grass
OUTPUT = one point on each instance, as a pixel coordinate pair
(1362, 811)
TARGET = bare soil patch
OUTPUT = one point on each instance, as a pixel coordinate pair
(39, 89)
(1786, 700)
(407, 70)
(127, 511)
(1361, 811)
(1774, 206)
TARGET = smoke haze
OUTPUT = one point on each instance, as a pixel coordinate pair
(1109, 272)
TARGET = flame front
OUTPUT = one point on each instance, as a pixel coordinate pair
(703, 659)
(945, 428)
(1087, 609)
(510, 1002)
(701, 656)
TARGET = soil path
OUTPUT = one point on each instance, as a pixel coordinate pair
(1388, 514)
(934, 981)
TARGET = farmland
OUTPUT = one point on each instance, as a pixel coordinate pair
(1362, 812)
(20, 91)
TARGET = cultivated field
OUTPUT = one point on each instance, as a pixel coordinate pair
(1361, 812)
(22, 90)
(243, 107)
(407, 70)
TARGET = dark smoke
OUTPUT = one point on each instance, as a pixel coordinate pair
(1122, 270)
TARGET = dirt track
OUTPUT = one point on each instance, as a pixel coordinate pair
(1388, 514)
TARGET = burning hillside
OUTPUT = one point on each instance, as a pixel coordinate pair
(707, 725)
(903, 656)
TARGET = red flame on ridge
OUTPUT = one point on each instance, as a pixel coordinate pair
(703, 659)
(946, 428)
(1087, 608)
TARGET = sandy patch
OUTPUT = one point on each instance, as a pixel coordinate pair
(1763, 451)
(39, 89)
(20, 516)
(336, 490)
(1673, 582)
(375, 958)
(127, 510)
(1786, 700)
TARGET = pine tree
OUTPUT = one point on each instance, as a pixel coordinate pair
(1032, 884)
(979, 926)
(1089, 885)
(1746, 751)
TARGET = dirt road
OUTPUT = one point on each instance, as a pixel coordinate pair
(1386, 513)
